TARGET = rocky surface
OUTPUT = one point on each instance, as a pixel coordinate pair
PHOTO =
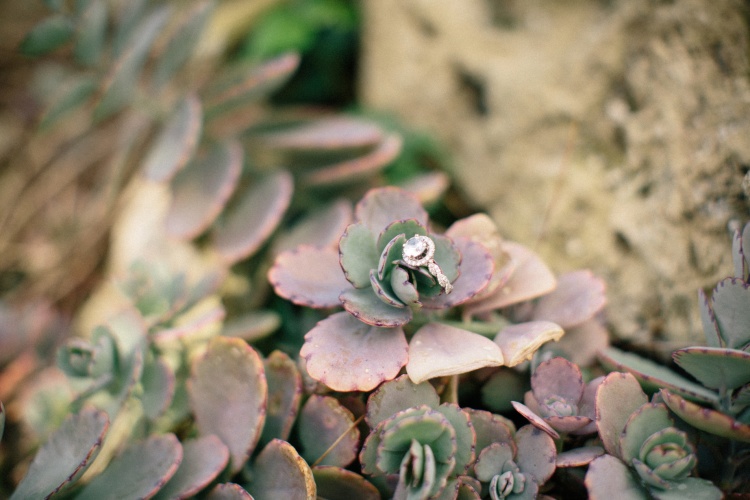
(607, 134)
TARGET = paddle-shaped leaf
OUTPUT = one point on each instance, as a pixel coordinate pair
(139, 471)
(284, 393)
(158, 383)
(228, 393)
(47, 35)
(730, 306)
(618, 396)
(367, 307)
(321, 228)
(607, 474)
(348, 355)
(705, 419)
(327, 431)
(398, 395)
(334, 483)
(309, 276)
(202, 461)
(490, 428)
(437, 350)
(715, 367)
(255, 217)
(380, 207)
(477, 267)
(228, 491)
(519, 342)
(175, 145)
(578, 296)
(328, 134)
(279, 472)
(65, 456)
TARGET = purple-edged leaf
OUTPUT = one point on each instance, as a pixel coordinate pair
(202, 461)
(708, 321)
(491, 428)
(606, 475)
(642, 423)
(279, 472)
(252, 326)
(174, 147)
(531, 278)
(582, 343)
(461, 488)
(492, 459)
(397, 395)
(228, 392)
(738, 256)
(715, 367)
(653, 376)
(730, 305)
(321, 228)
(242, 85)
(309, 276)
(334, 483)
(158, 383)
(365, 305)
(255, 217)
(557, 377)
(536, 453)
(384, 292)
(518, 343)
(438, 350)
(578, 297)
(228, 491)
(348, 355)
(65, 456)
(706, 419)
(358, 254)
(284, 393)
(578, 457)
(202, 189)
(476, 268)
(465, 436)
(535, 419)
(381, 206)
(699, 489)
(618, 396)
(139, 471)
(574, 424)
(403, 288)
(328, 134)
(406, 228)
(327, 432)
(358, 168)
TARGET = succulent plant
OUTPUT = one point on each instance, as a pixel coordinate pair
(646, 454)
(559, 400)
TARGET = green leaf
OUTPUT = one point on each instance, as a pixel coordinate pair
(71, 94)
(618, 396)
(180, 46)
(692, 488)
(323, 423)
(175, 145)
(368, 308)
(706, 419)
(202, 461)
(47, 36)
(607, 475)
(715, 367)
(358, 254)
(730, 305)
(536, 453)
(279, 472)
(492, 459)
(465, 436)
(92, 30)
(66, 455)
(645, 421)
(398, 395)
(158, 383)
(228, 395)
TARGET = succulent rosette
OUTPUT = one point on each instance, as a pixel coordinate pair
(646, 454)
(559, 401)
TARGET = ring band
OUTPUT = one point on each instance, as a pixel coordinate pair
(419, 251)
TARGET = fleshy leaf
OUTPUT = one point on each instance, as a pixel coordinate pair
(357, 168)
(398, 395)
(328, 134)
(705, 419)
(708, 320)
(536, 453)
(321, 228)
(607, 474)
(241, 85)
(557, 377)
(139, 471)
(381, 206)
(158, 383)
(730, 305)
(403, 288)
(642, 423)
(92, 30)
(406, 228)
(202, 461)
(490, 428)
(437, 350)
(228, 491)
(578, 457)
(578, 296)
(476, 270)
(492, 459)
(691, 487)
(309, 276)
(364, 305)
(334, 483)
(618, 396)
(322, 422)
(535, 419)
(228, 392)
(279, 472)
(66, 455)
(427, 187)
(253, 325)
(653, 376)
(358, 254)
(465, 435)
(201, 190)
(715, 367)
(531, 278)
(348, 355)
(122, 81)
(284, 393)
(582, 343)
(255, 217)
(47, 36)
(519, 342)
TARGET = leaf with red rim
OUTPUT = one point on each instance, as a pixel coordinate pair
(279, 472)
(309, 276)
(729, 303)
(579, 295)
(334, 483)
(536, 453)
(348, 355)
(358, 254)
(284, 394)
(327, 134)
(324, 422)
(706, 419)
(397, 395)
(321, 228)
(228, 491)
(490, 428)
(476, 270)
(381, 206)
(618, 396)
(715, 367)
(519, 342)
(365, 305)
(535, 419)
(578, 457)
(202, 460)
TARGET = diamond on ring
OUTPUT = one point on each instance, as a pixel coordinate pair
(419, 251)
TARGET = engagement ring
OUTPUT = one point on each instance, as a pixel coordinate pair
(419, 251)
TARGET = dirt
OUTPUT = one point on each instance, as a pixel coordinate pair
(611, 135)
